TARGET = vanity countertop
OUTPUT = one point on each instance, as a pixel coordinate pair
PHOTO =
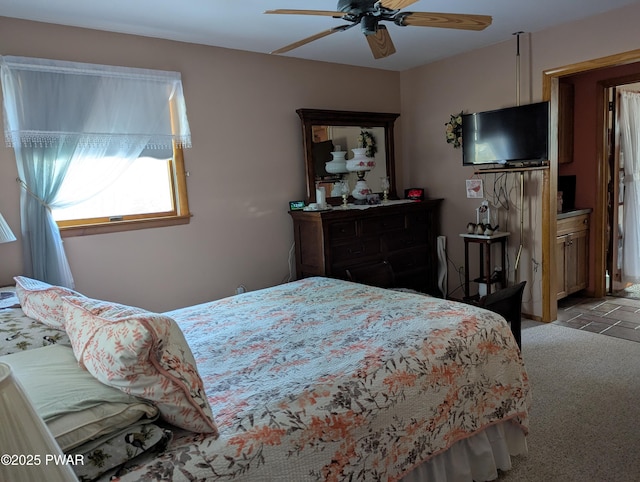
(574, 212)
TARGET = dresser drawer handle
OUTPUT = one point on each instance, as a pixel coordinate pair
(354, 251)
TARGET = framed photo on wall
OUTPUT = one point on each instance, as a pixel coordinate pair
(474, 188)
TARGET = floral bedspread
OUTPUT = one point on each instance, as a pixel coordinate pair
(327, 380)
(18, 332)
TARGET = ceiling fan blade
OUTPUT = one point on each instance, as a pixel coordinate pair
(445, 20)
(396, 4)
(326, 13)
(307, 40)
(381, 44)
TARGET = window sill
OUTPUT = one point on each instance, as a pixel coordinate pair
(118, 226)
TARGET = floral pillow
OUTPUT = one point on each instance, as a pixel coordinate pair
(143, 354)
(42, 301)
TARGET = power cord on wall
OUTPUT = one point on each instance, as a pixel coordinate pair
(460, 270)
(290, 262)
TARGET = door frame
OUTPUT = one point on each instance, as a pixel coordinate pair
(550, 81)
(605, 85)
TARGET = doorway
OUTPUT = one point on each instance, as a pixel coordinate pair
(622, 273)
(599, 238)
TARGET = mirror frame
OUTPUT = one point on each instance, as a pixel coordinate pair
(365, 120)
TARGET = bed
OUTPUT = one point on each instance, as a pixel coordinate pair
(19, 332)
(327, 380)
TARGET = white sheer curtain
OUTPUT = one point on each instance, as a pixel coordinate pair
(630, 147)
(59, 113)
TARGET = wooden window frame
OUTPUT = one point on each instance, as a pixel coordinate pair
(179, 215)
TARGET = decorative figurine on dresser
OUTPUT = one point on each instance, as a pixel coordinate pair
(395, 235)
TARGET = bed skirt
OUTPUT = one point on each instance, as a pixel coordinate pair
(476, 458)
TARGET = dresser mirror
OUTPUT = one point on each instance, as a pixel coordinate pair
(325, 131)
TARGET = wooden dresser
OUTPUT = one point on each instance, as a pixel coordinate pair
(405, 235)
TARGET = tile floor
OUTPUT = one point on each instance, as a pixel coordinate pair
(612, 316)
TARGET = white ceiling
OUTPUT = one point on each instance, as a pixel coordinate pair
(241, 24)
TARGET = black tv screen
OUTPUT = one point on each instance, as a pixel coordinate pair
(513, 135)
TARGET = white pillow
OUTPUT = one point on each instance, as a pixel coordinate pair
(75, 406)
(73, 429)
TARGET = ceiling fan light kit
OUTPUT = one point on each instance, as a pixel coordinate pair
(369, 13)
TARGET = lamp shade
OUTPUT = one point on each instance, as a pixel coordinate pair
(6, 235)
(28, 450)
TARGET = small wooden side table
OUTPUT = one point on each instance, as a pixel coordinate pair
(485, 243)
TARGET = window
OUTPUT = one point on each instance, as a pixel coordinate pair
(93, 122)
(150, 192)
(86, 132)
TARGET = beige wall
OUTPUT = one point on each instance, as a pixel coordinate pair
(246, 164)
(482, 80)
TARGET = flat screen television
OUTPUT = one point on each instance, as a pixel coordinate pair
(514, 136)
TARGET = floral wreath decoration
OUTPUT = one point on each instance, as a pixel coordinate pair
(366, 139)
(454, 130)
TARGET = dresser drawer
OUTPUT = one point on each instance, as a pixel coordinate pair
(357, 249)
(342, 230)
(382, 224)
(420, 220)
(404, 239)
(409, 260)
(573, 224)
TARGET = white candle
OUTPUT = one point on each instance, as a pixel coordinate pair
(320, 196)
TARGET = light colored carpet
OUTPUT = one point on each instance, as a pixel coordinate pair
(585, 418)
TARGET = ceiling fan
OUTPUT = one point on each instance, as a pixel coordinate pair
(369, 13)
